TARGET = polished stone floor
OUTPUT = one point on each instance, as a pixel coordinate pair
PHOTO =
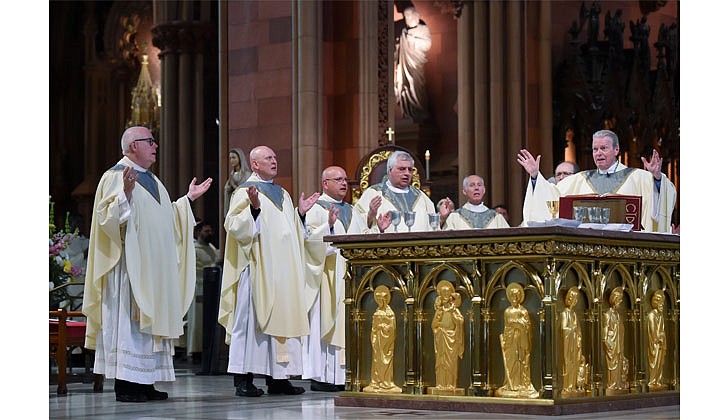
(212, 397)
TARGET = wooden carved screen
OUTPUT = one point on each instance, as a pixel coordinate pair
(601, 85)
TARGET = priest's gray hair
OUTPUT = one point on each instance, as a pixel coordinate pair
(465, 180)
(397, 156)
(607, 133)
(126, 140)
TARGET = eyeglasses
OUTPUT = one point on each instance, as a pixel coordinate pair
(563, 173)
(149, 141)
(338, 180)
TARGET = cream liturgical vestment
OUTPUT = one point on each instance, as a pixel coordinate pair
(470, 216)
(140, 277)
(393, 198)
(265, 292)
(323, 350)
(206, 256)
(657, 204)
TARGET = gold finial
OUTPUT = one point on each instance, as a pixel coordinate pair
(145, 102)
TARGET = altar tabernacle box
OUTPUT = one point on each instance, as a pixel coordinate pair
(623, 208)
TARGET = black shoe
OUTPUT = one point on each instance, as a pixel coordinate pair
(128, 391)
(248, 391)
(135, 397)
(341, 388)
(244, 386)
(121, 386)
(283, 386)
(323, 386)
(152, 394)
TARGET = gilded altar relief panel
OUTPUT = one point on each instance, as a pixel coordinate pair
(660, 330)
(444, 318)
(574, 331)
(381, 331)
(513, 315)
(617, 326)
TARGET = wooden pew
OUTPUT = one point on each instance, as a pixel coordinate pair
(62, 335)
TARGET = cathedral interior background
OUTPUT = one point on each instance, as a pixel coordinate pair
(315, 81)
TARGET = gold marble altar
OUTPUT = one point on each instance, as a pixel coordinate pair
(557, 333)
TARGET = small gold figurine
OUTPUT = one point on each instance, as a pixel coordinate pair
(384, 331)
(613, 340)
(573, 362)
(657, 343)
(516, 347)
(447, 326)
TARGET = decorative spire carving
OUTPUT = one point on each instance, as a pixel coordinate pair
(145, 101)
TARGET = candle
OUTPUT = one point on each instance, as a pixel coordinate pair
(427, 164)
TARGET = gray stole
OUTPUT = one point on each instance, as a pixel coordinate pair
(476, 220)
(401, 201)
(344, 211)
(145, 179)
(607, 183)
(272, 191)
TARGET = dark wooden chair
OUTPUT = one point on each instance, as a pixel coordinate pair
(65, 334)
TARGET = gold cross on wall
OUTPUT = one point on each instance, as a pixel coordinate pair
(390, 134)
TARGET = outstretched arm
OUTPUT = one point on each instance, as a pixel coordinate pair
(305, 204)
(654, 166)
(196, 190)
(530, 165)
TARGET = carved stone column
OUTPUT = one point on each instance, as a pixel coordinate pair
(307, 97)
(369, 128)
(496, 52)
(385, 69)
(182, 44)
(467, 39)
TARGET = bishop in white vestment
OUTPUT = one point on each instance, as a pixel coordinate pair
(140, 277)
(265, 290)
(611, 177)
(323, 350)
(474, 214)
(397, 193)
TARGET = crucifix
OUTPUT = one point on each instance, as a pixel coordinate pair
(390, 135)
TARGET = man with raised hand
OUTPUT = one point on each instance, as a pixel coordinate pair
(611, 177)
(264, 295)
(397, 193)
(474, 214)
(140, 275)
(323, 350)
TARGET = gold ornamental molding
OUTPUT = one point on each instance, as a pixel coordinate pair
(520, 248)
